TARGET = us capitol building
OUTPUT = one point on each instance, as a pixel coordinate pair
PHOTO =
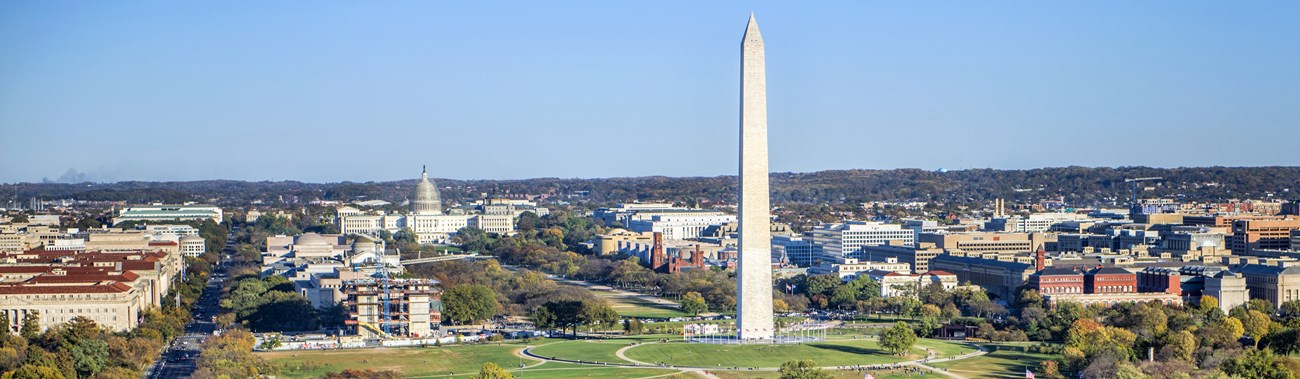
(427, 219)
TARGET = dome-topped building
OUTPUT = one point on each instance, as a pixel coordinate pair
(426, 200)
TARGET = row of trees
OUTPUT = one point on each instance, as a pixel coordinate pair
(230, 355)
(1155, 340)
(479, 290)
(271, 304)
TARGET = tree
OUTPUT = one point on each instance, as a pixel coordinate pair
(405, 235)
(34, 372)
(492, 371)
(1285, 342)
(633, 325)
(1257, 364)
(597, 312)
(283, 311)
(898, 339)
(1262, 305)
(1208, 303)
(468, 303)
(802, 369)
(1128, 371)
(1234, 327)
(31, 325)
(1255, 325)
(562, 314)
(1181, 345)
(779, 305)
(89, 356)
(929, 320)
(1290, 309)
(693, 303)
(821, 284)
(471, 239)
(1050, 369)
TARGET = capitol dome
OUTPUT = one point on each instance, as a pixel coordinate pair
(425, 200)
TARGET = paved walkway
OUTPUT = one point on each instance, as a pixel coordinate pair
(979, 350)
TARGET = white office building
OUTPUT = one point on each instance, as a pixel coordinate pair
(680, 226)
(161, 212)
(1037, 222)
(839, 241)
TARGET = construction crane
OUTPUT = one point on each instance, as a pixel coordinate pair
(1134, 207)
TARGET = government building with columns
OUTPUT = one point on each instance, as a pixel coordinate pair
(426, 218)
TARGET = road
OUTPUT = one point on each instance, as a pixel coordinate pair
(178, 360)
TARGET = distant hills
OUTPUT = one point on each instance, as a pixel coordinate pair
(1083, 186)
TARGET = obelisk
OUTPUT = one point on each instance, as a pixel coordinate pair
(754, 275)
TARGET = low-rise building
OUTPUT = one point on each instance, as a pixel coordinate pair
(1229, 288)
(985, 242)
(610, 242)
(1110, 280)
(918, 255)
(1160, 279)
(111, 288)
(998, 277)
(1057, 280)
(1276, 283)
(893, 283)
(851, 268)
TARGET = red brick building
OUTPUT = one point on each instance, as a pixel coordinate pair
(1055, 280)
(661, 262)
(1110, 280)
(1160, 279)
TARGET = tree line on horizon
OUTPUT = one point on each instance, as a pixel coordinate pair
(1085, 186)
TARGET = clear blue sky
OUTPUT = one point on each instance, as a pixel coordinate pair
(331, 91)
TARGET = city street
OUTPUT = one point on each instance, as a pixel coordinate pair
(178, 360)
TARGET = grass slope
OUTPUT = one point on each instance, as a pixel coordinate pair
(1001, 362)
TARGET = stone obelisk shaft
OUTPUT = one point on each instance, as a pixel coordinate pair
(754, 276)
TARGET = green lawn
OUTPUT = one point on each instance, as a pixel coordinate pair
(837, 374)
(631, 306)
(591, 351)
(410, 361)
(1002, 362)
(829, 353)
(943, 349)
(463, 361)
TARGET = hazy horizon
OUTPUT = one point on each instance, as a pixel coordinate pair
(338, 91)
(58, 181)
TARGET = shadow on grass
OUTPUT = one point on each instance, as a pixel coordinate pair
(849, 349)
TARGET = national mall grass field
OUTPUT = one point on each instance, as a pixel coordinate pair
(845, 349)
(453, 361)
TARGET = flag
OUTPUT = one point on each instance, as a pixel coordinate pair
(1029, 374)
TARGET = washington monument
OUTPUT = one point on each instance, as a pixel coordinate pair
(754, 277)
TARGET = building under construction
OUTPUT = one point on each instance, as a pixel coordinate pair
(385, 308)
